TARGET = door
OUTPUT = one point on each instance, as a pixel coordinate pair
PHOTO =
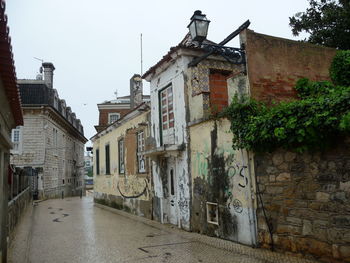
(172, 181)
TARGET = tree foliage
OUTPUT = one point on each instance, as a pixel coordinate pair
(314, 122)
(327, 22)
(340, 68)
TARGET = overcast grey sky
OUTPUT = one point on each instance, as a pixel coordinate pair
(95, 45)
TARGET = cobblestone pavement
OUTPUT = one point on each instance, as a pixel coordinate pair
(74, 230)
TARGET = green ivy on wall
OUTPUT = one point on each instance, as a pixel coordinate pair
(319, 117)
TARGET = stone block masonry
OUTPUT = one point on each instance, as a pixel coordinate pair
(306, 200)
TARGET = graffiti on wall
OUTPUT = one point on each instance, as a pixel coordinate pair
(133, 187)
(183, 202)
(238, 181)
(130, 186)
(234, 170)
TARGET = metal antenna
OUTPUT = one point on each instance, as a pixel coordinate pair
(141, 55)
(41, 68)
(42, 61)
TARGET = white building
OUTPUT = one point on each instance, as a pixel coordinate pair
(51, 140)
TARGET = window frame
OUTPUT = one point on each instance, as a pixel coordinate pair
(111, 114)
(168, 112)
(121, 156)
(97, 154)
(17, 145)
(107, 160)
(140, 157)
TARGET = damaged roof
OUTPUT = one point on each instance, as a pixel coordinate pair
(186, 42)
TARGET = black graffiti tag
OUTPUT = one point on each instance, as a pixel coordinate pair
(237, 206)
(232, 172)
(241, 174)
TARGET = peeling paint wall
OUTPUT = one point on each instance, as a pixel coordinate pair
(168, 208)
(222, 176)
(131, 191)
(198, 86)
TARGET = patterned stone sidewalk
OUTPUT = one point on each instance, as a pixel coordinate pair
(248, 254)
(77, 230)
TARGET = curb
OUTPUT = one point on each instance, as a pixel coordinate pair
(258, 253)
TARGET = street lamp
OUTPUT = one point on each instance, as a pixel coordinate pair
(198, 26)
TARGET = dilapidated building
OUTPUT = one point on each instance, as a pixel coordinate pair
(121, 170)
(200, 182)
(51, 139)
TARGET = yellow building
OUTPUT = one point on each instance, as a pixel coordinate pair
(121, 171)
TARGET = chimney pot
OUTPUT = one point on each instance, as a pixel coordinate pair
(48, 73)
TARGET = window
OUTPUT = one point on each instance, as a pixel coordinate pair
(121, 156)
(97, 153)
(140, 150)
(107, 159)
(112, 117)
(55, 140)
(16, 137)
(166, 104)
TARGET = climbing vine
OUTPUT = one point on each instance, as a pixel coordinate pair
(314, 121)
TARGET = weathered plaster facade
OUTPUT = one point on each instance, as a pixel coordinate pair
(223, 184)
(170, 147)
(222, 179)
(215, 186)
(127, 188)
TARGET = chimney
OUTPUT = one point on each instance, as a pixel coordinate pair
(136, 91)
(48, 73)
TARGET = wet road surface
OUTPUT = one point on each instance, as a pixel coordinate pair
(74, 230)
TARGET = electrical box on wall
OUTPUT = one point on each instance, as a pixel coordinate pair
(212, 213)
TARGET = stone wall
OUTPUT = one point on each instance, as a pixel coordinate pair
(306, 200)
(16, 208)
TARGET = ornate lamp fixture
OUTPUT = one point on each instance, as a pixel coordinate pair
(198, 28)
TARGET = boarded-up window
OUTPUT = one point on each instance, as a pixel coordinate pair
(218, 91)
